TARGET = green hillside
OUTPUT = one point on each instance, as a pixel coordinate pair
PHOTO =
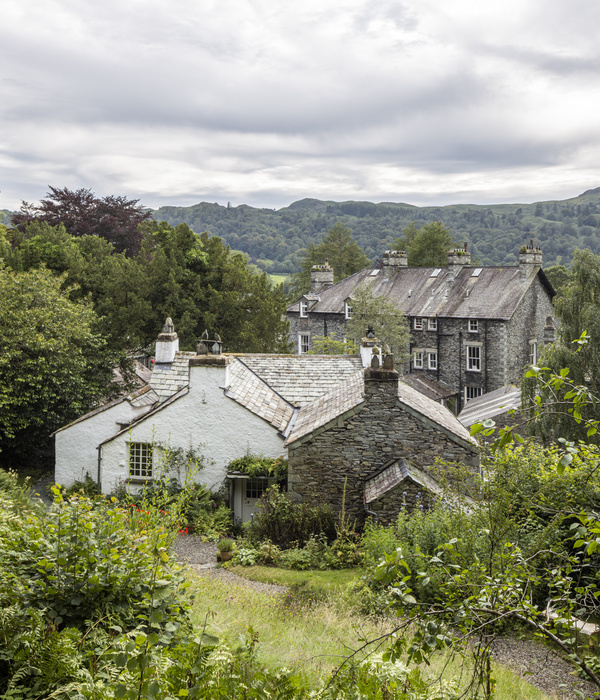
(273, 239)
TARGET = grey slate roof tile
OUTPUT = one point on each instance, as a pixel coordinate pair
(490, 405)
(494, 294)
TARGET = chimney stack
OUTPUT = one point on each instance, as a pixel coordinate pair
(167, 344)
(530, 257)
(393, 260)
(457, 259)
(381, 385)
(321, 277)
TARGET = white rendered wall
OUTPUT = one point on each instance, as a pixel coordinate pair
(75, 446)
(205, 420)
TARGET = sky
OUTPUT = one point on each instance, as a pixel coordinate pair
(265, 102)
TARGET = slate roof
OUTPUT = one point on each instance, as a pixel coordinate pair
(167, 379)
(350, 394)
(301, 379)
(491, 405)
(432, 388)
(490, 293)
(394, 474)
(249, 390)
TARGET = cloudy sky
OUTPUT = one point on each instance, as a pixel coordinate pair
(265, 102)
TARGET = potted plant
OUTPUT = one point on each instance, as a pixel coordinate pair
(225, 547)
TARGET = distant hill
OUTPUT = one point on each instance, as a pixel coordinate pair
(274, 238)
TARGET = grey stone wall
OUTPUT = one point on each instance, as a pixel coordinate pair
(407, 496)
(316, 325)
(358, 444)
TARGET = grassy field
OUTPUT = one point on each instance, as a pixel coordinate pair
(312, 629)
(278, 279)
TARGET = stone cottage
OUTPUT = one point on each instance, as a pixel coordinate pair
(473, 329)
(367, 445)
(223, 406)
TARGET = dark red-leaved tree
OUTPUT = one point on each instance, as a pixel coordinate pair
(116, 219)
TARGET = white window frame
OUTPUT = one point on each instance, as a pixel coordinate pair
(418, 323)
(472, 392)
(303, 309)
(140, 460)
(473, 325)
(533, 348)
(303, 342)
(347, 310)
(418, 359)
(474, 358)
(432, 360)
(432, 324)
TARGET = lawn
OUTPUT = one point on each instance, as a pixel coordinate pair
(312, 628)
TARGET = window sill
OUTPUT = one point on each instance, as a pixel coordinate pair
(139, 480)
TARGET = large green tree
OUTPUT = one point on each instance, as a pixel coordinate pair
(342, 252)
(54, 365)
(578, 312)
(427, 246)
(386, 319)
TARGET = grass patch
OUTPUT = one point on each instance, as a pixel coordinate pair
(311, 637)
(278, 279)
(323, 583)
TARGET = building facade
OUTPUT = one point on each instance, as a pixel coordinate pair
(473, 329)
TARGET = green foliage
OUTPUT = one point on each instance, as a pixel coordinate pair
(53, 364)
(559, 277)
(345, 256)
(330, 345)
(567, 385)
(226, 545)
(286, 523)
(388, 322)
(255, 466)
(427, 246)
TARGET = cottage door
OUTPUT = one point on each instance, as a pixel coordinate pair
(254, 490)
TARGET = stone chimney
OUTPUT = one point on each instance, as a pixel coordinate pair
(457, 259)
(321, 277)
(530, 257)
(393, 260)
(369, 346)
(381, 386)
(167, 344)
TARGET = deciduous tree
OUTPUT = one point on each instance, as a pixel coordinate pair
(427, 246)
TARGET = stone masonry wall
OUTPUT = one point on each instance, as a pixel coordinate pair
(358, 444)
(407, 496)
(316, 325)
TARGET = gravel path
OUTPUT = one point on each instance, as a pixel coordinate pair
(544, 668)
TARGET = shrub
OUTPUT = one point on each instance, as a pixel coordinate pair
(288, 523)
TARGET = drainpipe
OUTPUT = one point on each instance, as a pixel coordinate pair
(371, 513)
(485, 359)
(460, 383)
(99, 448)
(437, 337)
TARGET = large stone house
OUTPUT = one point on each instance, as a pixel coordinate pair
(224, 406)
(473, 329)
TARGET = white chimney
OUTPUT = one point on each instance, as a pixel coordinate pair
(167, 344)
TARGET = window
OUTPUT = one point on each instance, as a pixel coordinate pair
(418, 324)
(418, 360)
(432, 324)
(473, 358)
(473, 325)
(303, 343)
(256, 487)
(432, 360)
(303, 309)
(348, 309)
(472, 392)
(140, 459)
(533, 352)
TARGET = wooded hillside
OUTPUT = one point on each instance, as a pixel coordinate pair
(274, 238)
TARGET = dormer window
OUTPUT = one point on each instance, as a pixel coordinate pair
(348, 309)
(473, 325)
(303, 309)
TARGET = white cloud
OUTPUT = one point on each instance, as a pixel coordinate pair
(264, 102)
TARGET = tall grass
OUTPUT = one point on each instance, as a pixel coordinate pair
(311, 636)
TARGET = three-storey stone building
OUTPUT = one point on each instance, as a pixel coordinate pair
(473, 329)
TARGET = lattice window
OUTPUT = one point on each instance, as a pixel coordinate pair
(140, 459)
